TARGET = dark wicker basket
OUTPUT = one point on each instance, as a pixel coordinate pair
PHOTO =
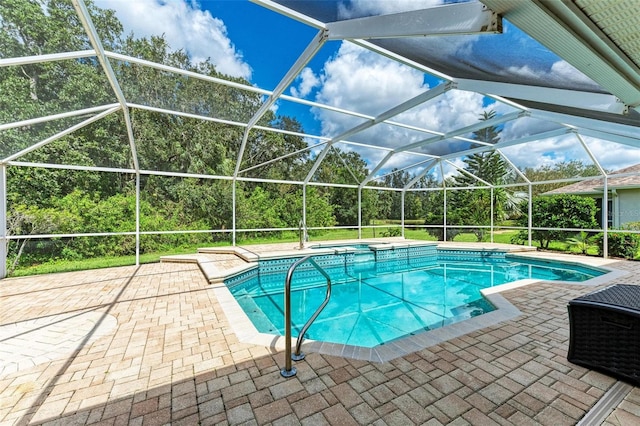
(605, 331)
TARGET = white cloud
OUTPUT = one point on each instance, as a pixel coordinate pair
(613, 156)
(359, 8)
(359, 80)
(563, 70)
(560, 72)
(308, 81)
(185, 26)
(547, 152)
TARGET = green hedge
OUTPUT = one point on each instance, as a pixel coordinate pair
(621, 244)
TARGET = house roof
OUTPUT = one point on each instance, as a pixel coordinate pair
(629, 177)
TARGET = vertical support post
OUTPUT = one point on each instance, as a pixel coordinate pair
(491, 230)
(137, 217)
(444, 216)
(530, 221)
(233, 213)
(402, 212)
(3, 221)
(605, 218)
(359, 213)
(304, 206)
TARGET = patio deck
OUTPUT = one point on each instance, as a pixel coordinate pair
(152, 345)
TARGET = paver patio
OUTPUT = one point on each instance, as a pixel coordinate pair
(153, 346)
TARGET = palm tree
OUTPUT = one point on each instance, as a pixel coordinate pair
(582, 241)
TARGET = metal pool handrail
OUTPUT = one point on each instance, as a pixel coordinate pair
(288, 370)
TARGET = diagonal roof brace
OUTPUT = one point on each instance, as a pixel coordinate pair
(420, 175)
(451, 19)
(468, 129)
(504, 144)
(94, 38)
(314, 46)
(398, 109)
(571, 98)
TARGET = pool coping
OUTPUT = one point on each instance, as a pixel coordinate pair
(246, 332)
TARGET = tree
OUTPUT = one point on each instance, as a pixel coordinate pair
(473, 206)
(559, 211)
(265, 146)
(345, 168)
(29, 28)
(563, 170)
(165, 142)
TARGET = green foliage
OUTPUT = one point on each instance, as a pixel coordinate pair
(83, 213)
(283, 209)
(474, 206)
(392, 232)
(621, 244)
(558, 211)
(582, 241)
(564, 170)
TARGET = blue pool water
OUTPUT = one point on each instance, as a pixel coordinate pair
(374, 302)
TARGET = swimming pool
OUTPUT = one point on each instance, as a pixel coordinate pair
(384, 295)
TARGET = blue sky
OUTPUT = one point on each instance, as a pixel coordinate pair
(247, 40)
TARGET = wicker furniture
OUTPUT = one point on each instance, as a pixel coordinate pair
(605, 331)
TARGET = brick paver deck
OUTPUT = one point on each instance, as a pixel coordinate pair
(156, 348)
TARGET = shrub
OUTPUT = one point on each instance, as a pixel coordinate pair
(392, 232)
(582, 241)
(621, 244)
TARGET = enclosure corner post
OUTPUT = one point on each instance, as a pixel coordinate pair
(492, 213)
(444, 215)
(304, 209)
(3, 221)
(605, 218)
(233, 213)
(137, 217)
(530, 220)
(359, 213)
(402, 211)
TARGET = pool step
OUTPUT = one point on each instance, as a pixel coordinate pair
(217, 264)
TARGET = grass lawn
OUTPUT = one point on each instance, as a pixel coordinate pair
(319, 235)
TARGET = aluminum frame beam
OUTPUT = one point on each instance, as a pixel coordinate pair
(33, 121)
(60, 134)
(50, 57)
(628, 135)
(570, 98)
(283, 10)
(451, 19)
(398, 109)
(314, 46)
(94, 38)
(449, 135)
